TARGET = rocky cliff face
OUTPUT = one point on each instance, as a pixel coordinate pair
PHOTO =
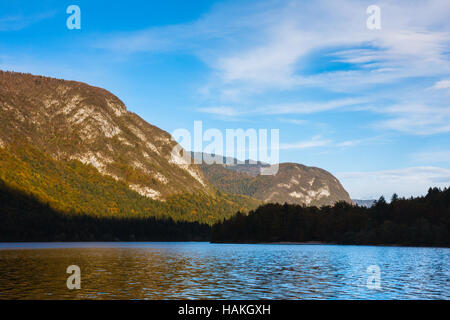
(71, 120)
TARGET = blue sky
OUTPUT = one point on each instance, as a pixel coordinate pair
(370, 106)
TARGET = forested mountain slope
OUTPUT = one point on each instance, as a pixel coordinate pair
(77, 148)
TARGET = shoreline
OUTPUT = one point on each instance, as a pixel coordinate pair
(300, 243)
(334, 244)
(82, 244)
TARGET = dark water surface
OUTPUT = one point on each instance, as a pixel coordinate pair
(221, 271)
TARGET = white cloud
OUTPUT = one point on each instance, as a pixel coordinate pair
(416, 119)
(443, 84)
(350, 143)
(309, 107)
(19, 22)
(314, 142)
(298, 122)
(265, 41)
(271, 64)
(290, 108)
(406, 182)
(267, 45)
(318, 141)
(441, 156)
(294, 36)
(221, 111)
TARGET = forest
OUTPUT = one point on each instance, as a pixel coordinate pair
(421, 221)
(74, 188)
(25, 218)
(80, 205)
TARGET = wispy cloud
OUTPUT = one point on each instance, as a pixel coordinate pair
(267, 47)
(314, 142)
(406, 182)
(350, 143)
(318, 141)
(281, 109)
(309, 107)
(19, 21)
(298, 122)
(439, 156)
(416, 119)
(221, 111)
(442, 84)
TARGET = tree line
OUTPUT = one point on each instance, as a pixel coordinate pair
(421, 221)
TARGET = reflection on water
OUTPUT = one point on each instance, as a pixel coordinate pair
(221, 271)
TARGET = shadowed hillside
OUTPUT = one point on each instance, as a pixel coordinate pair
(25, 218)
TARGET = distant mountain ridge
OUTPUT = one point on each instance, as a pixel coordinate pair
(293, 183)
(364, 203)
(250, 167)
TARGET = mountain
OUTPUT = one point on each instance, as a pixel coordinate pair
(74, 121)
(293, 183)
(77, 148)
(250, 167)
(364, 203)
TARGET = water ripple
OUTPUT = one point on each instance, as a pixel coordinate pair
(228, 271)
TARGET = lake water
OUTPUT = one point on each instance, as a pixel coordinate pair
(222, 271)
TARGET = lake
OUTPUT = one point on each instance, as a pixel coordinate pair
(187, 270)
